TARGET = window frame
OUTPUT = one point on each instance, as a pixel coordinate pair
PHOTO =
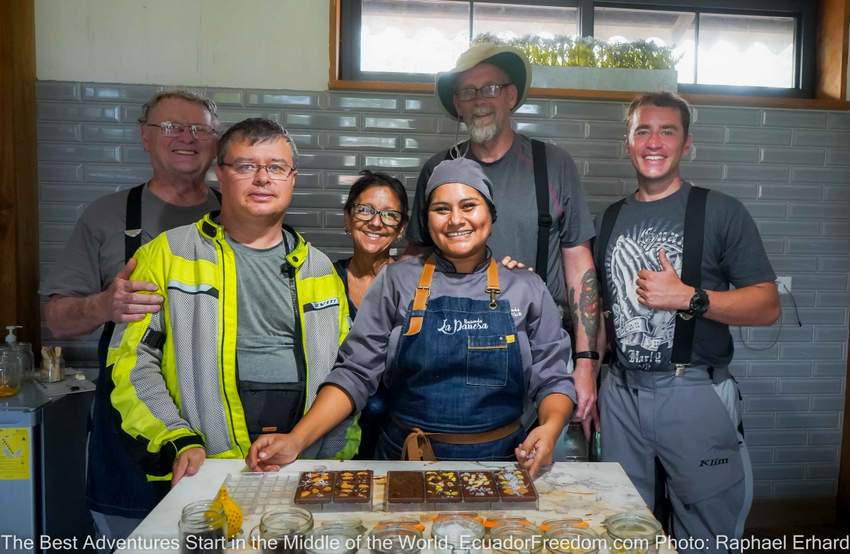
(805, 13)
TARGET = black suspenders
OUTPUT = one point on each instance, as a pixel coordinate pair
(692, 247)
(541, 191)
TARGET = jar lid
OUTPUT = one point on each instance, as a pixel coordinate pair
(516, 539)
(630, 525)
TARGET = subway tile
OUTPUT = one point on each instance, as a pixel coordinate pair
(64, 214)
(777, 403)
(798, 454)
(821, 138)
(758, 136)
(395, 162)
(72, 193)
(832, 210)
(776, 438)
(792, 156)
(728, 116)
(813, 385)
(824, 438)
(831, 334)
(837, 156)
(59, 172)
(123, 173)
(762, 489)
(328, 238)
(334, 219)
(841, 263)
(778, 471)
(806, 489)
(363, 142)
(820, 175)
(426, 143)
(59, 132)
(371, 102)
(131, 113)
(773, 246)
(227, 96)
(807, 421)
(335, 179)
(784, 264)
(610, 169)
(603, 187)
(756, 386)
(738, 190)
(801, 300)
(836, 228)
(423, 104)
(838, 193)
(838, 120)
(111, 133)
(591, 149)
(451, 127)
(789, 228)
(758, 421)
(51, 111)
(756, 173)
(821, 471)
(786, 192)
(78, 153)
(819, 282)
(408, 123)
(833, 299)
(704, 134)
(764, 352)
(789, 333)
(614, 111)
(305, 140)
(322, 120)
(56, 90)
(550, 129)
(821, 246)
(814, 316)
(326, 160)
(134, 154)
(766, 209)
(312, 199)
(307, 178)
(303, 218)
(759, 455)
(706, 153)
(229, 116)
(285, 100)
(780, 369)
(533, 109)
(828, 403)
(119, 93)
(795, 118)
(607, 131)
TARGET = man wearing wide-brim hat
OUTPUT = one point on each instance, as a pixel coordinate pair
(545, 222)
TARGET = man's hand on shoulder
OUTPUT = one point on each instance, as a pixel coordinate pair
(126, 300)
(187, 463)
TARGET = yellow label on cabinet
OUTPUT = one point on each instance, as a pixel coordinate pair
(14, 453)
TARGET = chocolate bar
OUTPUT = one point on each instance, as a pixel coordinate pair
(478, 486)
(442, 486)
(353, 486)
(314, 487)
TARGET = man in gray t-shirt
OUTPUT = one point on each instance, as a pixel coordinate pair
(90, 284)
(676, 427)
(486, 85)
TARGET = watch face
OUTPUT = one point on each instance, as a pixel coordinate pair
(699, 302)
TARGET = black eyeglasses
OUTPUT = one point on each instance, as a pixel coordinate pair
(172, 129)
(365, 212)
(277, 172)
(487, 91)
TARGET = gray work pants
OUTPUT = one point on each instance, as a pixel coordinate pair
(691, 424)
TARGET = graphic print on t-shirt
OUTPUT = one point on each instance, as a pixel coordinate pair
(644, 336)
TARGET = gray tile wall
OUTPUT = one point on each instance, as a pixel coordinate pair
(790, 167)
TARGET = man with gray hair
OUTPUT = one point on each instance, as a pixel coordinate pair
(241, 290)
(90, 285)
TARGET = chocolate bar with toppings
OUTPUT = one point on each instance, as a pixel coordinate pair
(353, 486)
(314, 487)
(405, 487)
(442, 486)
(478, 486)
(515, 485)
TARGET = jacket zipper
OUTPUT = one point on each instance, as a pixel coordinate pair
(296, 308)
(222, 342)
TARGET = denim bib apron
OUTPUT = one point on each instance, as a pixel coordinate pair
(458, 371)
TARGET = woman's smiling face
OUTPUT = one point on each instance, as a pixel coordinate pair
(459, 222)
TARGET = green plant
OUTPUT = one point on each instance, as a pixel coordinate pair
(566, 51)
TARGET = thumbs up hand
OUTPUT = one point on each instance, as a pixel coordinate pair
(663, 290)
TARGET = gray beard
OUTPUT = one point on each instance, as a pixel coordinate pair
(481, 133)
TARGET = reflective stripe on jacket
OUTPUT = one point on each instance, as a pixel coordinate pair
(175, 371)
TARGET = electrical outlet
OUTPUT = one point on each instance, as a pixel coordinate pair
(784, 284)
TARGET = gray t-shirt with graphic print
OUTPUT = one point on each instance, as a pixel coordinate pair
(733, 254)
(265, 339)
(94, 254)
(515, 230)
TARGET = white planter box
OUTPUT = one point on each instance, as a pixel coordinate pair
(595, 78)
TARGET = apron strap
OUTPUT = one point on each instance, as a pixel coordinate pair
(493, 283)
(420, 299)
(417, 444)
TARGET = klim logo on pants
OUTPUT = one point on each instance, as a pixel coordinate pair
(713, 462)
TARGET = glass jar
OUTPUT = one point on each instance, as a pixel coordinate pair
(340, 537)
(401, 538)
(457, 534)
(202, 528)
(10, 372)
(25, 359)
(283, 531)
(516, 539)
(566, 539)
(630, 533)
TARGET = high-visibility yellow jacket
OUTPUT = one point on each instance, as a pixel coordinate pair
(174, 372)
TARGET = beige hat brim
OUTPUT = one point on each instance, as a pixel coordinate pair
(507, 58)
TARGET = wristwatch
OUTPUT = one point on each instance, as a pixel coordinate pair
(699, 303)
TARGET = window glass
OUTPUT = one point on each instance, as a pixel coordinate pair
(509, 21)
(675, 29)
(762, 47)
(414, 36)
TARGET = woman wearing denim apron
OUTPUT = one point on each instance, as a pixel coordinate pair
(462, 344)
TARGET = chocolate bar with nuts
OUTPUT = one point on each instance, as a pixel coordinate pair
(353, 486)
(442, 486)
(315, 487)
(478, 486)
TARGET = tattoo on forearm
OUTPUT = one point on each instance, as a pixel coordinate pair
(588, 306)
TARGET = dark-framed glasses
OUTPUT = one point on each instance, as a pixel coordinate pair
(276, 171)
(487, 91)
(172, 129)
(365, 212)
